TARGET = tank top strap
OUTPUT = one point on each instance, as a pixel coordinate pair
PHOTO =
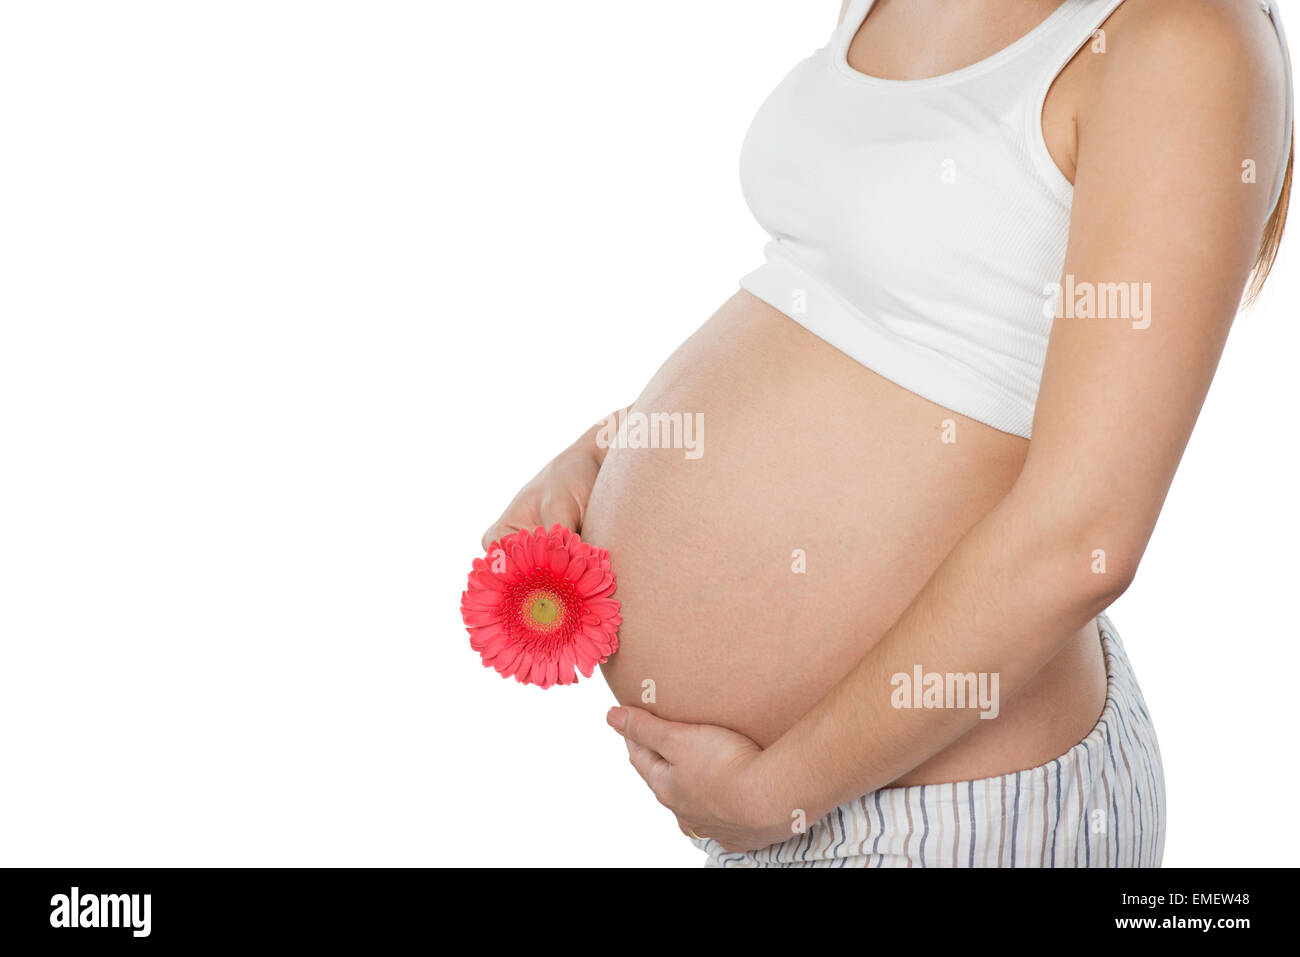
(855, 14)
(1271, 8)
(1076, 24)
(1079, 23)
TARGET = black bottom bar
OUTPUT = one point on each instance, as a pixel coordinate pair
(610, 909)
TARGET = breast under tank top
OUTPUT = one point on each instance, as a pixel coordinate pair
(919, 225)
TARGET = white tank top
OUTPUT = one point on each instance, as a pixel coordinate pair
(918, 225)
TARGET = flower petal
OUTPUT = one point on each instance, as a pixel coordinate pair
(553, 560)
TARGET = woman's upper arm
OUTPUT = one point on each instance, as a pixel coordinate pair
(1187, 94)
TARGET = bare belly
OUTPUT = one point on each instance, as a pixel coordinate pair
(809, 461)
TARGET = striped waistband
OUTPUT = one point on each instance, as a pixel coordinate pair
(1101, 804)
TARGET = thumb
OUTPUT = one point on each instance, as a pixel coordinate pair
(644, 728)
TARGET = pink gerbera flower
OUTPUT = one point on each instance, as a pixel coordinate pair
(538, 606)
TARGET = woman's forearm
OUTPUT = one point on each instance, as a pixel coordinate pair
(1007, 599)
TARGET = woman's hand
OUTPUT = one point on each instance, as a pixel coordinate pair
(558, 493)
(709, 777)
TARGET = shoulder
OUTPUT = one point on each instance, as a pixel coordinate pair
(1200, 84)
(1196, 51)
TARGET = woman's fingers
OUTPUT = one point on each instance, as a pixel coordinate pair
(497, 532)
(649, 764)
(559, 508)
(652, 767)
(555, 508)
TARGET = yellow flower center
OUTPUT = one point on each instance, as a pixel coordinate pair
(544, 609)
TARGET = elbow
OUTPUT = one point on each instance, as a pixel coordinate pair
(1110, 573)
(1091, 554)
(1098, 564)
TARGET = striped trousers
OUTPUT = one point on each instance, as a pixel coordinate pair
(1101, 804)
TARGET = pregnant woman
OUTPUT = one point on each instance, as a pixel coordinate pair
(864, 617)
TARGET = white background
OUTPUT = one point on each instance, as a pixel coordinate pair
(293, 296)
